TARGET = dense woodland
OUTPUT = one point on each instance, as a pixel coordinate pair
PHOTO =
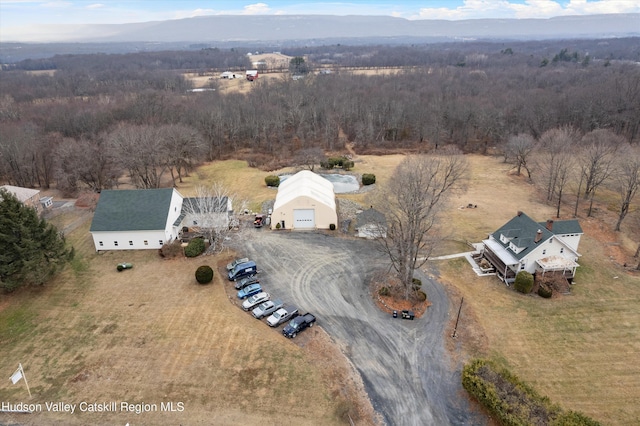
(100, 116)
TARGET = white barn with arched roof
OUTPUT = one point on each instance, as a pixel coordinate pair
(305, 201)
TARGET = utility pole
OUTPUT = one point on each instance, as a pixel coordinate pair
(457, 319)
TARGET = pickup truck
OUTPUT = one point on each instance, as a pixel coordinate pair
(266, 308)
(282, 315)
(298, 324)
(236, 262)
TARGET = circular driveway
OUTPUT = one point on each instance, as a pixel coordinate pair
(406, 371)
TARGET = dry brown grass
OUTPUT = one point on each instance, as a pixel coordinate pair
(580, 350)
(152, 334)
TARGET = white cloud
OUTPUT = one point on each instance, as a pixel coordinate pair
(476, 9)
(256, 9)
(95, 6)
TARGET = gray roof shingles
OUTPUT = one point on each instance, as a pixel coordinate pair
(522, 230)
(132, 210)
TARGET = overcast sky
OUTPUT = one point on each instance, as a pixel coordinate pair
(17, 15)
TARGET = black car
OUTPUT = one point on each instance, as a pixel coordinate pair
(298, 324)
(252, 279)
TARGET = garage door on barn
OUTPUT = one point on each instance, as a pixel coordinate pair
(304, 219)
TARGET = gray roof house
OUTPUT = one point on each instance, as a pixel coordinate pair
(371, 224)
(523, 244)
(136, 219)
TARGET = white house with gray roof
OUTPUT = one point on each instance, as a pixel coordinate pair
(136, 219)
(523, 244)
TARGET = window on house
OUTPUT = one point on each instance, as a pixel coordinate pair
(115, 243)
(561, 249)
(550, 240)
(130, 243)
(522, 266)
(146, 243)
(161, 242)
(100, 243)
(544, 252)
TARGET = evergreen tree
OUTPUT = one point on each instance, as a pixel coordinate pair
(31, 250)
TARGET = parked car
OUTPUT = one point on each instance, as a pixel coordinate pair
(282, 315)
(251, 279)
(236, 262)
(298, 324)
(249, 290)
(243, 270)
(408, 315)
(255, 300)
(266, 308)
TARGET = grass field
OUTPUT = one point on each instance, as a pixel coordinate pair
(580, 350)
(152, 335)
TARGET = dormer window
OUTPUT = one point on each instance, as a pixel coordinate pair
(515, 248)
(504, 239)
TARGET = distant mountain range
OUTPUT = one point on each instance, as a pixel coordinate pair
(299, 28)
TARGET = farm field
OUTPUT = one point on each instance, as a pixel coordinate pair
(151, 334)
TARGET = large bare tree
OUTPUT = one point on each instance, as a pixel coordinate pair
(414, 198)
(210, 212)
(598, 160)
(519, 150)
(627, 181)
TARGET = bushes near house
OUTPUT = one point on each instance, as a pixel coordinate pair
(272, 181)
(368, 179)
(332, 226)
(524, 282)
(172, 250)
(204, 274)
(422, 296)
(545, 291)
(195, 247)
(512, 401)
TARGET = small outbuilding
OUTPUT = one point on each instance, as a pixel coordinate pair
(371, 224)
(305, 201)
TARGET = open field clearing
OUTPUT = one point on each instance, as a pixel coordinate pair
(152, 335)
(580, 350)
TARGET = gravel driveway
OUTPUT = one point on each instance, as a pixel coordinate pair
(405, 369)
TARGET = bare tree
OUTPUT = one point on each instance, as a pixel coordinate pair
(627, 181)
(137, 148)
(600, 147)
(183, 146)
(554, 160)
(519, 149)
(414, 198)
(211, 213)
(309, 157)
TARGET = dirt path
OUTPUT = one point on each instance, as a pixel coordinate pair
(405, 368)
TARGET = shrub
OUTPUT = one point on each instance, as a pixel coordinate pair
(326, 165)
(172, 250)
(368, 179)
(348, 164)
(332, 226)
(524, 282)
(384, 291)
(204, 274)
(278, 225)
(545, 291)
(272, 180)
(336, 161)
(422, 296)
(417, 283)
(512, 401)
(194, 248)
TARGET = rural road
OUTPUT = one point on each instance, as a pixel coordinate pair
(403, 364)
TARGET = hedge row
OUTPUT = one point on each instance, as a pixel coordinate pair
(512, 401)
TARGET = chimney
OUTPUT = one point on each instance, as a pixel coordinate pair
(519, 213)
(538, 236)
(550, 225)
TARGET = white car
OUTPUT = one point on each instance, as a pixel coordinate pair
(282, 315)
(254, 300)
